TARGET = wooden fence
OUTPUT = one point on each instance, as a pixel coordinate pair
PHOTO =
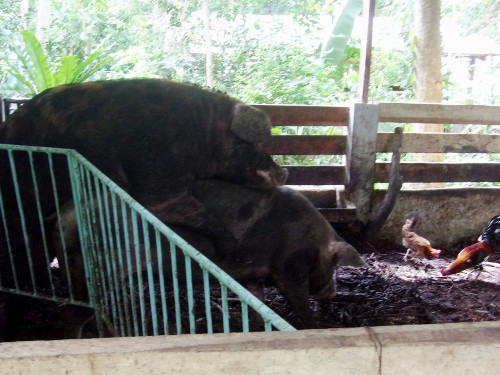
(363, 141)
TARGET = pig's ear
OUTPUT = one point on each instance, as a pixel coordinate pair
(347, 255)
(250, 124)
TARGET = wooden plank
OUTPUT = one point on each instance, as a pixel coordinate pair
(412, 142)
(442, 172)
(320, 195)
(442, 142)
(307, 115)
(444, 349)
(439, 113)
(307, 145)
(316, 175)
(361, 155)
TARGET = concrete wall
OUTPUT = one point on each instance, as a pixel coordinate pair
(449, 349)
(448, 216)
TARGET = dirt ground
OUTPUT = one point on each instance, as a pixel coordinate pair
(390, 292)
(393, 292)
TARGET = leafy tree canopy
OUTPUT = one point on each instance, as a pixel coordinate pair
(264, 51)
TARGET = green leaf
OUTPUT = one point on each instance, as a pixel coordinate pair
(343, 22)
(21, 77)
(23, 58)
(82, 73)
(83, 65)
(66, 71)
(43, 77)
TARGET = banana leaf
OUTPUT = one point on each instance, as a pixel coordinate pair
(343, 22)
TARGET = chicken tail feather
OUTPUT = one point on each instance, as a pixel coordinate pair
(491, 234)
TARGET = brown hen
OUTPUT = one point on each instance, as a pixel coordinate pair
(417, 246)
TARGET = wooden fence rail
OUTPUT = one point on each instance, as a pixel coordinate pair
(439, 113)
(363, 142)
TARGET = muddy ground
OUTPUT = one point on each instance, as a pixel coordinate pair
(393, 292)
(390, 292)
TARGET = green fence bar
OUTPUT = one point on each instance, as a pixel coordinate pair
(132, 273)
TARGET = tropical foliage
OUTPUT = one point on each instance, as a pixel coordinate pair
(264, 51)
(273, 51)
(34, 71)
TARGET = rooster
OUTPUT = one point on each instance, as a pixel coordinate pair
(472, 256)
(418, 246)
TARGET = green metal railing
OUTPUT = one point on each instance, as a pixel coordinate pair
(113, 255)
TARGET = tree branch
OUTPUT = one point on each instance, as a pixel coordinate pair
(380, 214)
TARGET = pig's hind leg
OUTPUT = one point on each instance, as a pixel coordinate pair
(255, 321)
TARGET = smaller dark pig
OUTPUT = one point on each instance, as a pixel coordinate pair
(278, 238)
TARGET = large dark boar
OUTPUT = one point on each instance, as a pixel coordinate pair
(153, 137)
(264, 237)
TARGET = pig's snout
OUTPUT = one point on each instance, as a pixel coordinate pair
(329, 291)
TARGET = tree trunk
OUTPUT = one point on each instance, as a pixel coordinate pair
(43, 19)
(428, 77)
(209, 64)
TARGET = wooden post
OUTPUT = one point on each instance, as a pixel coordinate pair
(366, 50)
(361, 156)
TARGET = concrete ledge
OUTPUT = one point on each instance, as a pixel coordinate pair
(458, 348)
